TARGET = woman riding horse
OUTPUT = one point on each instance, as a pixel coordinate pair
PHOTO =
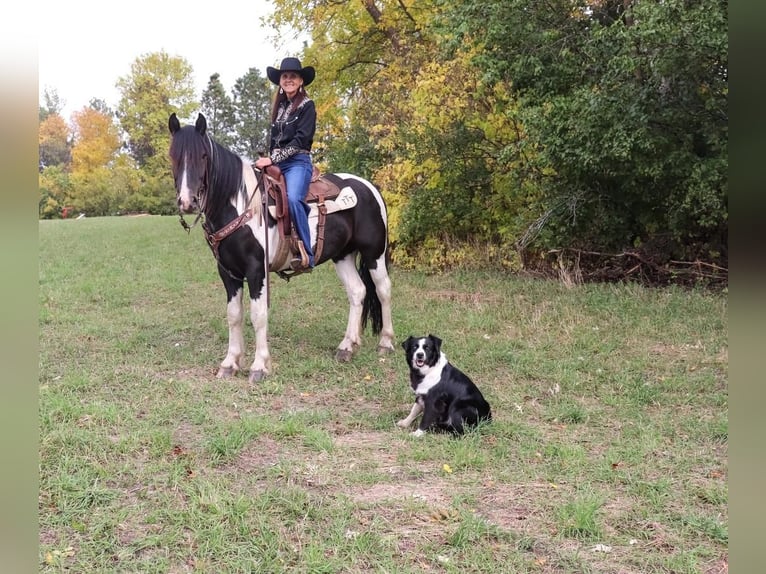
(293, 123)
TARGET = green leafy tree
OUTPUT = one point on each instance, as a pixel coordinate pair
(218, 109)
(252, 99)
(397, 107)
(157, 86)
(55, 192)
(627, 103)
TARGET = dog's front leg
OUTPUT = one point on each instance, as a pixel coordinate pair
(417, 408)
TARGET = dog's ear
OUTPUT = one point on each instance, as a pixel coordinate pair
(436, 341)
(406, 342)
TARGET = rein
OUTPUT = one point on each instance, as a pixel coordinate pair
(265, 215)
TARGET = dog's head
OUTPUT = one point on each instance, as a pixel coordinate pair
(422, 352)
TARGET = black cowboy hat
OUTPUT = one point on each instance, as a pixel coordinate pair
(291, 65)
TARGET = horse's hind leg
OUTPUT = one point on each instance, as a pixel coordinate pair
(383, 288)
(355, 289)
(234, 317)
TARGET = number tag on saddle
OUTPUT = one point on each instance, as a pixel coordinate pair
(346, 199)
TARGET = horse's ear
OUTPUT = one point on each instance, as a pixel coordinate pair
(201, 124)
(173, 124)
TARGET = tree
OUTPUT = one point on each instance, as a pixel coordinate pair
(594, 124)
(96, 144)
(101, 106)
(252, 95)
(218, 109)
(96, 140)
(157, 85)
(53, 104)
(55, 191)
(367, 56)
(627, 103)
(54, 141)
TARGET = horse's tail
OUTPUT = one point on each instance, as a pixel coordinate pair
(371, 307)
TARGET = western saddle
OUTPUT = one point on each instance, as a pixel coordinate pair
(321, 188)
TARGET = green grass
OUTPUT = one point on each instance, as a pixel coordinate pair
(610, 425)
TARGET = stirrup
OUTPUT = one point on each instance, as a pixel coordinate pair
(300, 263)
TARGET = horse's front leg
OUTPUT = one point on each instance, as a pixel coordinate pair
(231, 364)
(259, 315)
(355, 289)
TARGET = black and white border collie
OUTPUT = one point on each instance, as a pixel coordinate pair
(448, 399)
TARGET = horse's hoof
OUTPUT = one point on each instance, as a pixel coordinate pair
(226, 373)
(256, 376)
(343, 356)
(385, 350)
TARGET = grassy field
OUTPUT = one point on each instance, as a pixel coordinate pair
(608, 452)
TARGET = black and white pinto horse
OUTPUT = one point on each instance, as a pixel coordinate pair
(216, 183)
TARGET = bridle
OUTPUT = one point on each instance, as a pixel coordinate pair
(201, 195)
(185, 225)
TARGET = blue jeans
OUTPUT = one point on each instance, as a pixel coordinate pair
(297, 170)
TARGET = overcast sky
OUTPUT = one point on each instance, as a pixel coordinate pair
(85, 46)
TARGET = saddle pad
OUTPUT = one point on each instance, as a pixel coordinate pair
(346, 200)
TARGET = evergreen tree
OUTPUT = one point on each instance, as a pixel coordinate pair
(53, 104)
(218, 109)
(252, 108)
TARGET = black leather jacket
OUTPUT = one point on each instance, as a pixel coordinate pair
(293, 132)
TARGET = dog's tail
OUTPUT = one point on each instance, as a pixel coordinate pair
(371, 307)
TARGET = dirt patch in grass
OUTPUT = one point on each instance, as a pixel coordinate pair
(368, 441)
(514, 506)
(259, 454)
(434, 495)
(718, 566)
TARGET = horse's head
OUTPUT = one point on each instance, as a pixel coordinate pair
(189, 154)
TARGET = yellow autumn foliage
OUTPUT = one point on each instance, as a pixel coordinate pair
(96, 141)
(381, 71)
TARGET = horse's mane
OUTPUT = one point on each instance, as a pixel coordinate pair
(225, 169)
(225, 177)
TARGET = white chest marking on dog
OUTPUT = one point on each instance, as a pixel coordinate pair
(432, 377)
